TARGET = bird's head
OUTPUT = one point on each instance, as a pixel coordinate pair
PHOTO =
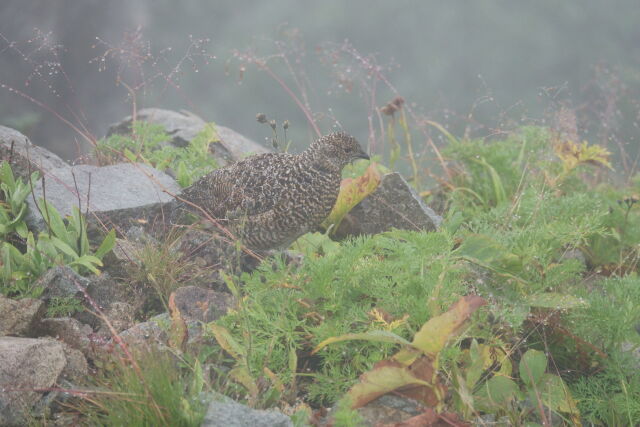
(338, 149)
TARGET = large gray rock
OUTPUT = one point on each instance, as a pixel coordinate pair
(200, 304)
(184, 126)
(394, 204)
(118, 195)
(20, 317)
(29, 369)
(224, 412)
(24, 156)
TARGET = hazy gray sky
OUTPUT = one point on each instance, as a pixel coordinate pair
(502, 56)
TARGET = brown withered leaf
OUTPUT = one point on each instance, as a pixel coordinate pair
(422, 368)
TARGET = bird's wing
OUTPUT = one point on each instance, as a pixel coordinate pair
(249, 187)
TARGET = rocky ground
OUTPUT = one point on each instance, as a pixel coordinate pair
(43, 358)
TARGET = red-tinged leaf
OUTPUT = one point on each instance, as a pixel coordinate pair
(435, 334)
(386, 376)
(430, 396)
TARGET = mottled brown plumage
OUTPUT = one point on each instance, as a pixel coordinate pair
(269, 200)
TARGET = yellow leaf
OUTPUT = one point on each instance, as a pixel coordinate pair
(226, 341)
(178, 332)
(352, 191)
(434, 334)
(574, 155)
(241, 375)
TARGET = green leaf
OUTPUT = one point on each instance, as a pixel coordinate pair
(556, 301)
(54, 220)
(21, 229)
(64, 247)
(496, 393)
(555, 394)
(532, 367)
(483, 250)
(6, 175)
(107, 244)
(130, 156)
(89, 262)
(198, 379)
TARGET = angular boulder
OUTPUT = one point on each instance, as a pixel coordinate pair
(117, 196)
(25, 157)
(184, 126)
(394, 204)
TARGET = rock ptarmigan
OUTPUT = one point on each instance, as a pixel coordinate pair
(269, 200)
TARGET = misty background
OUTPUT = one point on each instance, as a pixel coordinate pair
(479, 67)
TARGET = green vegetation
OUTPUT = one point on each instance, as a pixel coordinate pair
(149, 143)
(24, 257)
(154, 392)
(162, 268)
(63, 307)
(531, 228)
(523, 305)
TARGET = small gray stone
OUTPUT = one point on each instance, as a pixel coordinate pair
(118, 195)
(26, 157)
(200, 304)
(62, 281)
(120, 315)
(227, 413)
(394, 204)
(388, 409)
(19, 317)
(145, 335)
(68, 330)
(125, 252)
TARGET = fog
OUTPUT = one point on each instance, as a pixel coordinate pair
(476, 66)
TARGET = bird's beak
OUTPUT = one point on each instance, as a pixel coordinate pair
(361, 155)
